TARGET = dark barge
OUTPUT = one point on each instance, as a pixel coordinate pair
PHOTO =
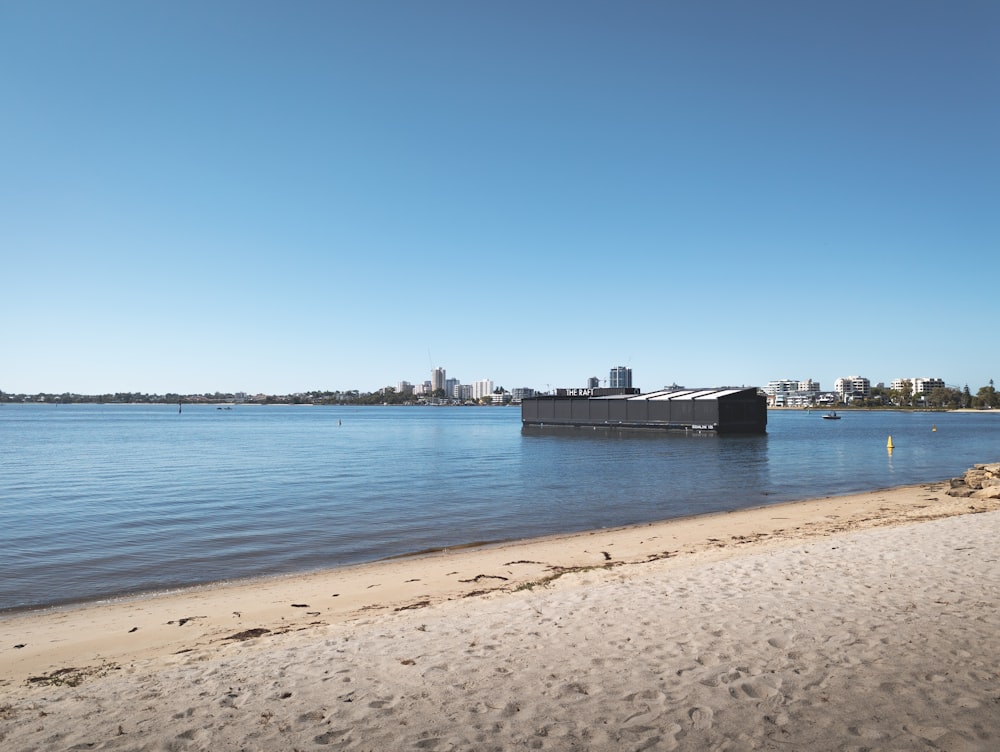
(720, 410)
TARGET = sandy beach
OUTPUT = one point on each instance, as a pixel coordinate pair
(860, 622)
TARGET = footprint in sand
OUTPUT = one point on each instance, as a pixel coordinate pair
(871, 733)
(574, 688)
(647, 695)
(758, 689)
(195, 735)
(510, 710)
(715, 680)
(930, 733)
(431, 743)
(966, 702)
(331, 736)
(701, 718)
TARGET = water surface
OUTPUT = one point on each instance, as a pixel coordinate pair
(104, 500)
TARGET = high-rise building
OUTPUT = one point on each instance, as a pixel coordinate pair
(593, 382)
(437, 379)
(621, 378)
(482, 388)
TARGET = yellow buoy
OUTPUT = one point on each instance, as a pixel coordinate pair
(933, 428)
(889, 444)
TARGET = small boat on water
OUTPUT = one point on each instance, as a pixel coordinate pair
(831, 416)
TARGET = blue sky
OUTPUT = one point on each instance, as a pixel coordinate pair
(278, 197)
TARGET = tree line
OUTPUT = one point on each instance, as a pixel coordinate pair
(944, 398)
(387, 396)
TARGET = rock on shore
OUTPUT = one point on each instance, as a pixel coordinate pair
(979, 482)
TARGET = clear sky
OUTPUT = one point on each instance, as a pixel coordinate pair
(285, 196)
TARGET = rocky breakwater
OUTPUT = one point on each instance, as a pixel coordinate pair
(979, 482)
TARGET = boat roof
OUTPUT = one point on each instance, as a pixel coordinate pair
(723, 393)
(675, 394)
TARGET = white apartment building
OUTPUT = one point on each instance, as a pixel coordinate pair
(782, 385)
(404, 387)
(800, 399)
(482, 388)
(922, 386)
(791, 392)
(853, 386)
(918, 385)
(791, 385)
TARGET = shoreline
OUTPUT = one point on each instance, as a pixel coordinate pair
(842, 623)
(154, 625)
(180, 590)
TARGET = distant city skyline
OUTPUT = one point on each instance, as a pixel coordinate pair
(349, 194)
(621, 377)
(623, 380)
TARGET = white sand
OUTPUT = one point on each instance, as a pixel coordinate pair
(850, 629)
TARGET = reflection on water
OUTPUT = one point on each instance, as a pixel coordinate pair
(619, 476)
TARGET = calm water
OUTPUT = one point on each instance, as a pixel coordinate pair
(103, 500)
